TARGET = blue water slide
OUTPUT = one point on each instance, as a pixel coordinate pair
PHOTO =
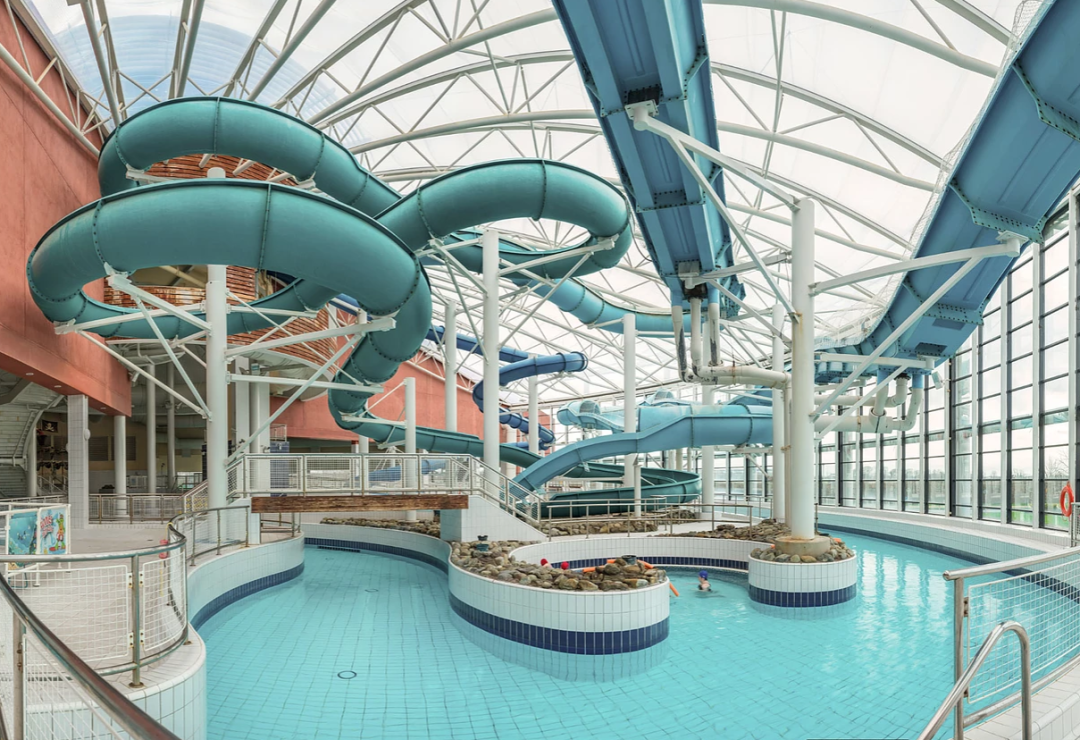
(654, 50)
(687, 427)
(1022, 156)
(361, 238)
(570, 362)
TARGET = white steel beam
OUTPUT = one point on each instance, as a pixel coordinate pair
(836, 14)
(926, 305)
(1005, 249)
(384, 323)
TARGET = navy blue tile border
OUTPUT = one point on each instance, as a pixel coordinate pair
(562, 641)
(790, 598)
(666, 560)
(247, 589)
(324, 543)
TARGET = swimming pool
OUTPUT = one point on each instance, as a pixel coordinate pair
(366, 645)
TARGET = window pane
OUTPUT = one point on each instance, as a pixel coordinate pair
(1055, 360)
(1056, 326)
(1056, 394)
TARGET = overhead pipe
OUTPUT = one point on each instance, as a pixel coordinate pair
(695, 334)
(872, 424)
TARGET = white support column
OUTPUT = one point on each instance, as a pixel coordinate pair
(708, 463)
(779, 414)
(217, 388)
(490, 247)
(120, 454)
(241, 417)
(629, 402)
(534, 415)
(412, 466)
(802, 372)
(31, 462)
(78, 454)
(364, 444)
(450, 364)
(151, 432)
(170, 430)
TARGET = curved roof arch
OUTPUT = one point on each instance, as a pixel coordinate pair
(858, 105)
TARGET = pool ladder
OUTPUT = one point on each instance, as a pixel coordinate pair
(954, 701)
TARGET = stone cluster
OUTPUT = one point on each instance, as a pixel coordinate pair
(498, 564)
(428, 527)
(837, 551)
(564, 527)
(767, 530)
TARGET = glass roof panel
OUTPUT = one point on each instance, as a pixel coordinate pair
(859, 103)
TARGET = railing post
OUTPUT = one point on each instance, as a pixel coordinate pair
(18, 655)
(136, 623)
(958, 653)
(218, 512)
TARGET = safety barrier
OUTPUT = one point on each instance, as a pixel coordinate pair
(135, 507)
(212, 530)
(371, 474)
(985, 596)
(600, 516)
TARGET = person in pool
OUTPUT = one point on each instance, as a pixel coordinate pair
(703, 581)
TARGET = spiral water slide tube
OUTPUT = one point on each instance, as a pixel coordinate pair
(358, 241)
(570, 362)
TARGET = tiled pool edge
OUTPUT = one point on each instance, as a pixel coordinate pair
(555, 621)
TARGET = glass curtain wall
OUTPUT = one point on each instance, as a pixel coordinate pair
(992, 441)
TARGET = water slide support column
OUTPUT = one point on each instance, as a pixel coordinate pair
(450, 364)
(534, 415)
(31, 462)
(410, 440)
(802, 372)
(170, 429)
(779, 412)
(361, 445)
(708, 463)
(120, 455)
(490, 262)
(629, 399)
(151, 432)
(217, 388)
(78, 452)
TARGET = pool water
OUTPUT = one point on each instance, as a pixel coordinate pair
(364, 645)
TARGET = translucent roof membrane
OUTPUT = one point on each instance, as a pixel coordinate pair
(861, 104)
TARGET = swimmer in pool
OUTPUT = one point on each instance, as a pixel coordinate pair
(703, 581)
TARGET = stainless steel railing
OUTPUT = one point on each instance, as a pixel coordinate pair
(373, 474)
(955, 700)
(656, 514)
(97, 695)
(1062, 566)
(135, 507)
(112, 583)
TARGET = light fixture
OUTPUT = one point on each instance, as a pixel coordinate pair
(29, 374)
(481, 543)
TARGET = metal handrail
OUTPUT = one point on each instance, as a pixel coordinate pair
(120, 709)
(953, 702)
(1007, 565)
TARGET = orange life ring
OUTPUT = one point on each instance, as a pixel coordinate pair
(1066, 494)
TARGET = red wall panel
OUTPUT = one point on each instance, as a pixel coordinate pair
(46, 174)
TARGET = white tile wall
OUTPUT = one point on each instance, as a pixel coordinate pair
(578, 611)
(985, 539)
(484, 517)
(375, 535)
(644, 547)
(803, 578)
(217, 575)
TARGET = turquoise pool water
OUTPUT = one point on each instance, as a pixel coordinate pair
(365, 646)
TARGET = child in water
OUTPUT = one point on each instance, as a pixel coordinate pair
(703, 581)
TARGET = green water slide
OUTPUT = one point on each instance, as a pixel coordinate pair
(359, 241)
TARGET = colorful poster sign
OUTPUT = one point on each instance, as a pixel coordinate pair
(52, 534)
(22, 532)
